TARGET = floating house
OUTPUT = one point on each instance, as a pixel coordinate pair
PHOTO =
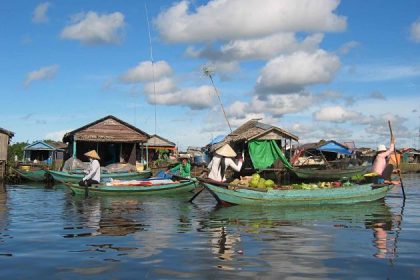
(158, 146)
(323, 153)
(253, 133)
(50, 153)
(114, 140)
(5, 137)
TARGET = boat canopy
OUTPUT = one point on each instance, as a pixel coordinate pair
(335, 147)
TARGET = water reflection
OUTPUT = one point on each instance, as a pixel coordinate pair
(104, 216)
(285, 227)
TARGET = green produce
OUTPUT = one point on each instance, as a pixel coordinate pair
(256, 176)
(269, 183)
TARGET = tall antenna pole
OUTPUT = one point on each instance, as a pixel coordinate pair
(152, 60)
(208, 72)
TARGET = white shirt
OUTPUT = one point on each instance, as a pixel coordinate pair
(215, 169)
(94, 171)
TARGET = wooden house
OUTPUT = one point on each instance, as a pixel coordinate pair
(324, 153)
(159, 146)
(5, 137)
(114, 140)
(254, 130)
(50, 153)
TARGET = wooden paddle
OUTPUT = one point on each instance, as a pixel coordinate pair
(396, 160)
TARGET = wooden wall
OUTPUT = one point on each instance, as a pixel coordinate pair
(4, 143)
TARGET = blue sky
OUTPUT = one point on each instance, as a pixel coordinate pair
(320, 69)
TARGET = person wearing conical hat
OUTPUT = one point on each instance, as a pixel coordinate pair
(221, 161)
(93, 174)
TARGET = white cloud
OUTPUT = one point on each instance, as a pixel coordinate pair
(40, 13)
(336, 114)
(169, 94)
(262, 48)
(369, 73)
(91, 28)
(145, 72)
(344, 49)
(56, 135)
(239, 19)
(415, 31)
(291, 73)
(44, 73)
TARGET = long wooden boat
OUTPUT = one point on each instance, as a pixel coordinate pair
(139, 189)
(66, 177)
(227, 194)
(328, 174)
(37, 175)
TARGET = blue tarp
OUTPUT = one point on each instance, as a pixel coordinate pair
(217, 139)
(335, 148)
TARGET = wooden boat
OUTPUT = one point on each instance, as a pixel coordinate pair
(329, 174)
(31, 173)
(144, 187)
(227, 194)
(65, 177)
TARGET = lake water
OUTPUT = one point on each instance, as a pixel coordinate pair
(51, 234)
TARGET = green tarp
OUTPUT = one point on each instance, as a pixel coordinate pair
(264, 152)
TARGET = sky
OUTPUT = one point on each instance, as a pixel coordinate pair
(326, 69)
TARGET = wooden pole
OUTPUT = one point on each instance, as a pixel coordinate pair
(396, 160)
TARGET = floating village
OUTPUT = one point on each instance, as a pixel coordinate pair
(268, 165)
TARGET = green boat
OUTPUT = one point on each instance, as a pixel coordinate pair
(35, 175)
(228, 194)
(329, 174)
(66, 177)
(164, 188)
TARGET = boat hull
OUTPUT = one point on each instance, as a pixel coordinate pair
(342, 195)
(328, 174)
(183, 186)
(31, 175)
(66, 177)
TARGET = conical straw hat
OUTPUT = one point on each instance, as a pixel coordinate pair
(92, 154)
(226, 151)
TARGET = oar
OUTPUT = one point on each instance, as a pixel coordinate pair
(199, 191)
(396, 160)
(196, 194)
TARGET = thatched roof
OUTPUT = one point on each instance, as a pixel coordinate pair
(156, 141)
(254, 129)
(107, 129)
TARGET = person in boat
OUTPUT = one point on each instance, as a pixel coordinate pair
(183, 169)
(93, 173)
(220, 162)
(380, 163)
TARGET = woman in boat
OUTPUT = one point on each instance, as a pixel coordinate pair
(380, 164)
(93, 174)
(221, 161)
(183, 169)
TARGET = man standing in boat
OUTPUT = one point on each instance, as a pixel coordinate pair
(380, 165)
(93, 174)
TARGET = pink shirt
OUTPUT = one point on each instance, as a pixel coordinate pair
(380, 161)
